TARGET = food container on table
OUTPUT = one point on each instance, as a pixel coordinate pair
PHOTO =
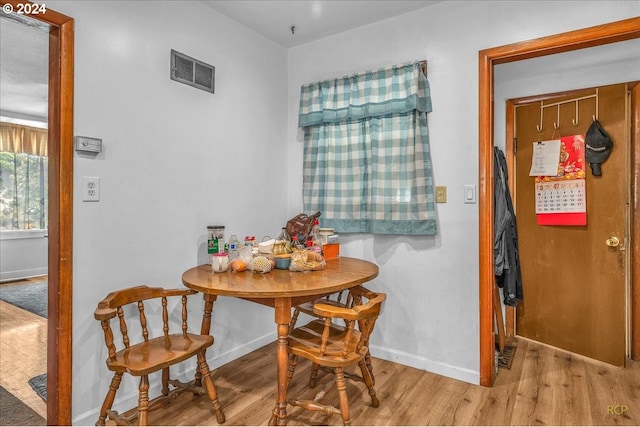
(266, 247)
(219, 262)
(283, 261)
(324, 233)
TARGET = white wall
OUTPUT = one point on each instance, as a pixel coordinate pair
(431, 314)
(23, 254)
(177, 159)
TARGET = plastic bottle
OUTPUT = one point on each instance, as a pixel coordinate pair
(234, 247)
(295, 244)
(313, 243)
(315, 233)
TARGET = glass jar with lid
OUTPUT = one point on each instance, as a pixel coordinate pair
(219, 262)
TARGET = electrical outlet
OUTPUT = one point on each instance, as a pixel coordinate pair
(90, 189)
(441, 194)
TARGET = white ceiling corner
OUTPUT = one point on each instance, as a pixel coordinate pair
(313, 19)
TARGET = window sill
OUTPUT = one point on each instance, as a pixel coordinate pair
(23, 234)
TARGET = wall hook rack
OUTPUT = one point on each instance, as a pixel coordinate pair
(574, 121)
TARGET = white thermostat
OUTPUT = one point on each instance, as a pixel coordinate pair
(89, 145)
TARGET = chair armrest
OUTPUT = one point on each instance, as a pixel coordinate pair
(331, 311)
(364, 311)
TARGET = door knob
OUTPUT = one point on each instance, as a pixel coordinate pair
(613, 242)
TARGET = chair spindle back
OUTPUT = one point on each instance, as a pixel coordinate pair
(114, 306)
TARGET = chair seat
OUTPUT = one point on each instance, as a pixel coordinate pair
(144, 358)
(306, 341)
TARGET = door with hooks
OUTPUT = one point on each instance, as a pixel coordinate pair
(575, 121)
(575, 277)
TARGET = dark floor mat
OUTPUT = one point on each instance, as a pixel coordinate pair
(506, 359)
(39, 385)
(31, 297)
(16, 413)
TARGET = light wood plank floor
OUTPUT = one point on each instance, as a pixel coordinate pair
(545, 386)
(23, 350)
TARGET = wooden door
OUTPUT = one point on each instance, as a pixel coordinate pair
(574, 285)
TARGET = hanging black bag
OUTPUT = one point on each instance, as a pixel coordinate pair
(598, 145)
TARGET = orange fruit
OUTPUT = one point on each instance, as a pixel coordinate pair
(238, 265)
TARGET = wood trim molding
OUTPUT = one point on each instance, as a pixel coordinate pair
(635, 222)
(589, 37)
(510, 147)
(59, 322)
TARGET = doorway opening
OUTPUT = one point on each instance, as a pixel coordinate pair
(589, 37)
(60, 214)
(23, 219)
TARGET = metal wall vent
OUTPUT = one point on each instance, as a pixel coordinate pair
(190, 71)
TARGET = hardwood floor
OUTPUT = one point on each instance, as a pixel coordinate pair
(545, 386)
(23, 349)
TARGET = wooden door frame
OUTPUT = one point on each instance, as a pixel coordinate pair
(588, 37)
(60, 268)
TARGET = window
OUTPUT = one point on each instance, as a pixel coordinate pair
(367, 165)
(23, 178)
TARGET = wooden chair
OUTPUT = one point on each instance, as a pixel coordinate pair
(341, 299)
(147, 355)
(332, 345)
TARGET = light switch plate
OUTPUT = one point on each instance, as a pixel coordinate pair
(470, 193)
(441, 194)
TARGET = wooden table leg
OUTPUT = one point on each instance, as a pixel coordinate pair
(283, 317)
(205, 329)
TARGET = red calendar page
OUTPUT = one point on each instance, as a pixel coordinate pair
(562, 199)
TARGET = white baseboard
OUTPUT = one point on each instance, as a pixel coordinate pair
(419, 362)
(7, 276)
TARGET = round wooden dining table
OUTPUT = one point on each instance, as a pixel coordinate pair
(282, 290)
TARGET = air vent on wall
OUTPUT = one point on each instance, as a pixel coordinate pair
(190, 71)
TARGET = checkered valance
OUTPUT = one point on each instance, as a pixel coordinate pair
(367, 165)
(392, 90)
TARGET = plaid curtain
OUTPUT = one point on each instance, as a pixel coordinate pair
(367, 165)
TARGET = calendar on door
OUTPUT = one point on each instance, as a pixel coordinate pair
(561, 196)
(561, 199)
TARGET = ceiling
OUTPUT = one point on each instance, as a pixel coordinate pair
(24, 48)
(24, 71)
(311, 19)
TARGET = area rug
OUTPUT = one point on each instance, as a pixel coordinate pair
(31, 297)
(506, 359)
(13, 412)
(39, 385)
